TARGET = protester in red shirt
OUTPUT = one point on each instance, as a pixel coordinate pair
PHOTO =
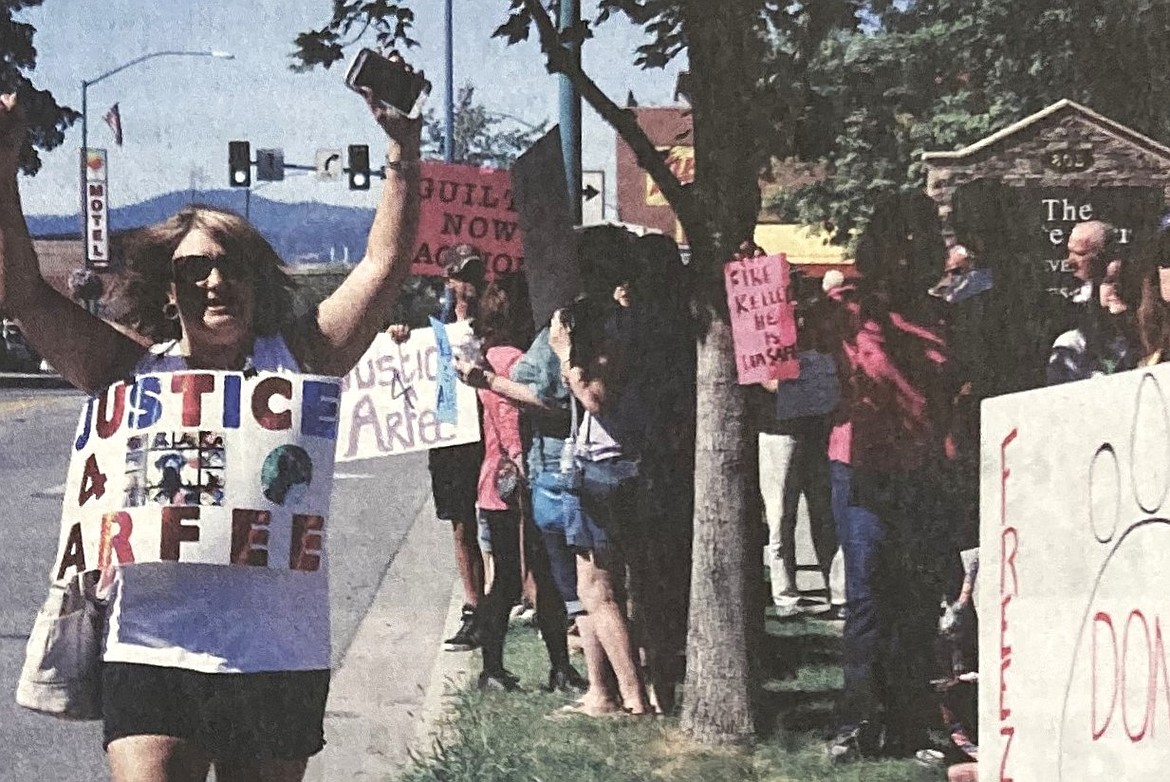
(503, 325)
(896, 399)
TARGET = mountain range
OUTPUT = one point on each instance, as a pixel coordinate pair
(305, 232)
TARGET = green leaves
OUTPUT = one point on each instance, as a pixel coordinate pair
(390, 22)
(482, 137)
(517, 27)
(47, 119)
(940, 74)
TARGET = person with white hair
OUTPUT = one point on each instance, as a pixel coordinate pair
(833, 280)
(1103, 337)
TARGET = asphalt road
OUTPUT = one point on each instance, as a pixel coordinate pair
(374, 504)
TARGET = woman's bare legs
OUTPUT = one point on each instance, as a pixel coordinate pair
(595, 586)
(169, 759)
(156, 759)
(599, 698)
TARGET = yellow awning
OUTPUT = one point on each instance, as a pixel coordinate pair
(802, 245)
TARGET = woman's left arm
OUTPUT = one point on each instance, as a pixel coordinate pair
(590, 388)
(346, 323)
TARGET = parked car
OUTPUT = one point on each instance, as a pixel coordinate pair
(16, 355)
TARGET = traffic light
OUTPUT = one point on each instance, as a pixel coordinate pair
(270, 165)
(359, 167)
(239, 164)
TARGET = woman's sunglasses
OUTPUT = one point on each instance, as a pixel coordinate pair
(191, 269)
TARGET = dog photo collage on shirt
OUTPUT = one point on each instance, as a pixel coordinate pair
(175, 468)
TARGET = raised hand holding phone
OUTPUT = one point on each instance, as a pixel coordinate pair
(390, 81)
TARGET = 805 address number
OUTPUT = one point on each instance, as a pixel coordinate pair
(1069, 160)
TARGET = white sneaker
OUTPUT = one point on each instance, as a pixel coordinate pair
(816, 609)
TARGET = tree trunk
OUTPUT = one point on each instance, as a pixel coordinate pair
(717, 705)
(724, 50)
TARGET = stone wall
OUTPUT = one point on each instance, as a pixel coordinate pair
(1024, 159)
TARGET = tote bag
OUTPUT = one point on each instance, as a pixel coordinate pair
(61, 676)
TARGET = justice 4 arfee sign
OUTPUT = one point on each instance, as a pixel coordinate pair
(390, 399)
(1075, 528)
(217, 468)
(467, 205)
(763, 321)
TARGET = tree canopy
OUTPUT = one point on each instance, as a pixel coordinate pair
(47, 119)
(939, 74)
(482, 137)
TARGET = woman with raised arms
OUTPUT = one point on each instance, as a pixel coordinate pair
(208, 665)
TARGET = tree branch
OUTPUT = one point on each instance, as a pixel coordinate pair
(560, 60)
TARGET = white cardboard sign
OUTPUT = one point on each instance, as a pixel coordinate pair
(221, 468)
(1073, 582)
(389, 399)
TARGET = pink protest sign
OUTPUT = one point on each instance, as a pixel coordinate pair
(467, 204)
(763, 324)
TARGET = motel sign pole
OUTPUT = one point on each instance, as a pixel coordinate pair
(87, 83)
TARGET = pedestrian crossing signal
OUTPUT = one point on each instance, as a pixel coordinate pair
(359, 167)
(239, 164)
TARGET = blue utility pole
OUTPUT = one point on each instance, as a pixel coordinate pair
(570, 15)
(449, 129)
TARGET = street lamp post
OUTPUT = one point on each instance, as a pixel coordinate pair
(87, 83)
(449, 76)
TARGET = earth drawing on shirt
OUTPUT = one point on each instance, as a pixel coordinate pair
(286, 475)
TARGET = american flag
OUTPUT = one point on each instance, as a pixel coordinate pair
(113, 118)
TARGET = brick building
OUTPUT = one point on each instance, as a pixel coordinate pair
(639, 201)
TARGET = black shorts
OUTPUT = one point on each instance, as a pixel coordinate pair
(242, 717)
(455, 481)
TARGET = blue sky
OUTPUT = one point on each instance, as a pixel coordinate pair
(179, 113)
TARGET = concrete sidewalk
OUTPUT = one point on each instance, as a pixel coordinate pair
(386, 699)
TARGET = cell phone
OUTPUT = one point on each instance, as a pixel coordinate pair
(391, 84)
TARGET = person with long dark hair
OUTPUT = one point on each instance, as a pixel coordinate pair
(503, 326)
(897, 391)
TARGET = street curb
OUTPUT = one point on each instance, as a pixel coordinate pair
(451, 673)
(32, 380)
(378, 694)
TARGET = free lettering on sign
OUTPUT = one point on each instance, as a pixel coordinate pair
(202, 467)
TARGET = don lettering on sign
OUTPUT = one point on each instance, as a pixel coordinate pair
(763, 320)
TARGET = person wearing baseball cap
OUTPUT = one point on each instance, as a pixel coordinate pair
(465, 264)
(455, 469)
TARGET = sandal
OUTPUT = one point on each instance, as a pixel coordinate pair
(579, 709)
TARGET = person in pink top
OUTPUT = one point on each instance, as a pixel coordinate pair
(887, 452)
(503, 325)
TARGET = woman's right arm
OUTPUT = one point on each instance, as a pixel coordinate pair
(87, 351)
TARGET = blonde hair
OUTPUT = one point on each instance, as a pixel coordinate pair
(149, 253)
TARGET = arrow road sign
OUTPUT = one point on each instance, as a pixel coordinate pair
(592, 197)
(328, 165)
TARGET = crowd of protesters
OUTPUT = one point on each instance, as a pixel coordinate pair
(597, 513)
(879, 435)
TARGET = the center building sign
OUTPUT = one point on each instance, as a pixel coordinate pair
(1021, 191)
